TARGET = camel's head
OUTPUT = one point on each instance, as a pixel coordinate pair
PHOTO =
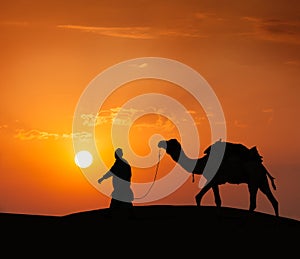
(162, 144)
(172, 147)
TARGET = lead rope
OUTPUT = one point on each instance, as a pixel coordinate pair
(156, 170)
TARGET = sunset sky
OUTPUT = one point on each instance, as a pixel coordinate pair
(51, 51)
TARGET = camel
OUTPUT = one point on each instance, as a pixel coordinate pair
(239, 164)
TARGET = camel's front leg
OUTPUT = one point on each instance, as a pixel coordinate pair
(217, 195)
(201, 194)
(253, 192)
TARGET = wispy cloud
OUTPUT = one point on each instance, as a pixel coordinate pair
(239, 124)
(198, 118)
(35, 134)
(292, 62)
(202, 16)
(136, 32)
(161, 123)
(14, 23)
(125, 117)
(191, 33)
(117, 115)
(270, 114)
(267, 110)
(121, 32)
(191, 112)
(274, 30)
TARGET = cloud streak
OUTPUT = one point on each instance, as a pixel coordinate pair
(14, 23)
(239, 124)
(120, 32)
(116, 116)
(35, 134)
(270, 114)
(161, 123)
(124, 117)
(274, 30)
(143, 32)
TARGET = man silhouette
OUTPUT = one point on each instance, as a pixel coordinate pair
(122, 195)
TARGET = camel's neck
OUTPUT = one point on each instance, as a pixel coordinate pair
(195, 166)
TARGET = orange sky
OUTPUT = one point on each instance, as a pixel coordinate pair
(249, 53)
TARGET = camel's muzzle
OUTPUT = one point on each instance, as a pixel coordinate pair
(162, 144)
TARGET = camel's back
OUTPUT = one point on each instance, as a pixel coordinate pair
(235, 151)
(232, 149)
(236, 159)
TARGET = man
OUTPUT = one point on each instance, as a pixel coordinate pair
(122, 195)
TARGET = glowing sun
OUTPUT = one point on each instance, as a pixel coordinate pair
(83, 159)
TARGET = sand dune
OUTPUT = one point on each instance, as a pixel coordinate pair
(181, 227)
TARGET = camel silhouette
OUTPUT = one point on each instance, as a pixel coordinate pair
(239, 164)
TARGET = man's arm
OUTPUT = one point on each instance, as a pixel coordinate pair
(105, 176)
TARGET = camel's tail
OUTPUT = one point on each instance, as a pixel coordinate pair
(271, 179)
(254, 153)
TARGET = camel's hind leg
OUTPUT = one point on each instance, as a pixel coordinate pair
(265, 188)
(200, 195)
(217, 198)
(217, 195)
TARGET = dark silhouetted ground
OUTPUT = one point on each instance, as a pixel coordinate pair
(169, 227)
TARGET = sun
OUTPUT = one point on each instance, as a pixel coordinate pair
(83, 159)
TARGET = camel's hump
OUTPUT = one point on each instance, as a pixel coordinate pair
(229, 147)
